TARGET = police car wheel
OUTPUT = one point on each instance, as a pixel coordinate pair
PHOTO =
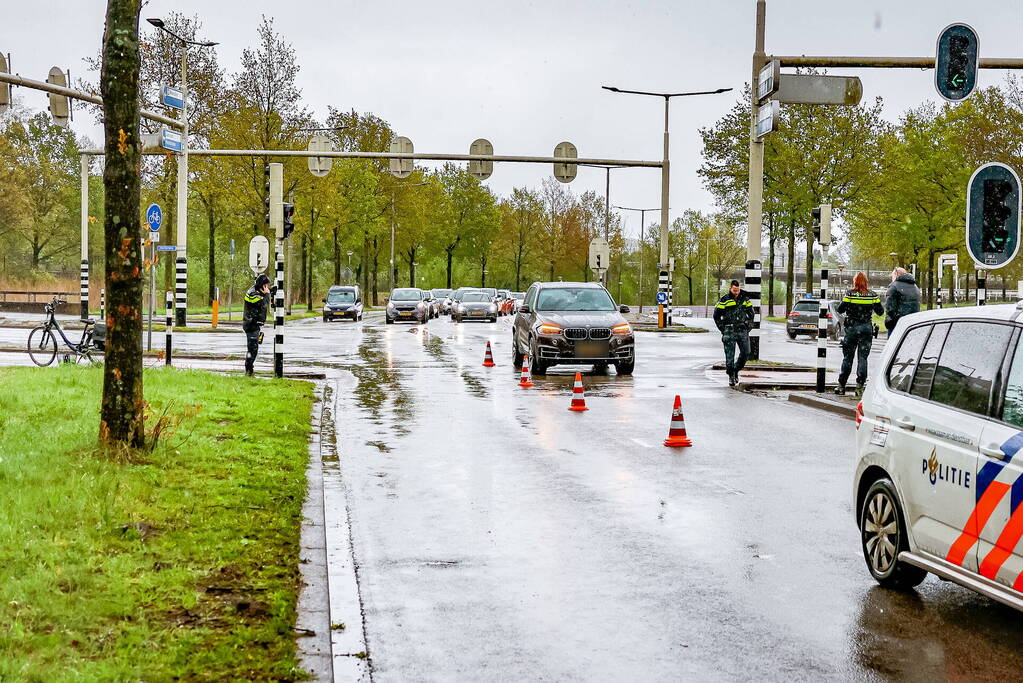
(883, 537)
(791, 333)
(625, 367)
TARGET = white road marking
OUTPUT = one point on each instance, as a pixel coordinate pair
(641, 443)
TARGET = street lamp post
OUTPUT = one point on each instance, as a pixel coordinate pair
(181, 269)
(663, 317)
(394, 270)
(642, 239)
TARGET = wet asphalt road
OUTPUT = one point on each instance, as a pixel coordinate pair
(500, 536)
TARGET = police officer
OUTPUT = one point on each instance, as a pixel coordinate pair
(257, 304)
(733, 316)
(858, 306)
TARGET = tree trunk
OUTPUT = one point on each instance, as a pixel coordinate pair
(809, 263)
(305, 273)
(412, 267)
(337, 256)
(483, 270)
(449, 249)
(365, 262)
(121, 411)
(930, 278)
(790, 267)
(212, 218)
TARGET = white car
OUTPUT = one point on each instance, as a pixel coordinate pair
(939, 482)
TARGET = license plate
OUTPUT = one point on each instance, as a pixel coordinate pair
(809, 327)
(476, 313)
(406, 313)
(591, 350)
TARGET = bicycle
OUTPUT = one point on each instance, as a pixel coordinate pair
(42, 343)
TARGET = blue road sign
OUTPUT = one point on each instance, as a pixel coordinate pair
(662, 297)
(172, 97)
(171, 139)
(154, 216)
(167, 247)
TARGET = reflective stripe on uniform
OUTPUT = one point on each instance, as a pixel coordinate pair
(861, 300)
(723, 304)
(252, 299)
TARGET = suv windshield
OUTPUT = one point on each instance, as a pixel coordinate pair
(341, 297)
(406, 295)
(475, 296)
(574, 299)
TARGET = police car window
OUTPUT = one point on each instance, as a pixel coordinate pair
(900, 372)
(929, 361)
(969, 361)
(530, 296)
(1012, 410)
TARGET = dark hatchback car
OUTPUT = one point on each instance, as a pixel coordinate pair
(342, 302)
(575, 323)
(803, 319)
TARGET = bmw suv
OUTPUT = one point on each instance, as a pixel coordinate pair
(574, 323)
(939, 439)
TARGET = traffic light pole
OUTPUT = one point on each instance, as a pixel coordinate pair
(84, 275)
(756, 161)
(181, 262)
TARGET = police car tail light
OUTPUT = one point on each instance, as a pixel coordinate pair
(859, 414)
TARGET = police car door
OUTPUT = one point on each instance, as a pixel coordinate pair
(952, 386)
(1000, 480)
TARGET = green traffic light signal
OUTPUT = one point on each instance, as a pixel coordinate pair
(993, 215)
(956, 61)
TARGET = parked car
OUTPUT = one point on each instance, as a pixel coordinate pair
(575, 323)
(407, 303)
(804, 316)
(342, 301)
(475, 306)
(443, 297)
(938, 437)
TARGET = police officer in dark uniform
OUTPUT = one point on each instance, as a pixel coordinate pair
(733, 315)
(858, 306)
(257, 304)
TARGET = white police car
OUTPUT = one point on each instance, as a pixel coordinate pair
(939, 482)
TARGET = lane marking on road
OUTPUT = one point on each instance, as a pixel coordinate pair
(641, 443)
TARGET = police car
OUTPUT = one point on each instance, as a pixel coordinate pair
(939, 482)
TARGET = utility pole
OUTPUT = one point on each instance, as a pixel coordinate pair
(642, 236)
(756, 189)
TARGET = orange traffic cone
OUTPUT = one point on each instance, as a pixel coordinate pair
(677, 437)
(488, 357)
(525, 382)
(578, 397)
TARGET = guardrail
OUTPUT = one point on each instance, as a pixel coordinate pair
(4, 294)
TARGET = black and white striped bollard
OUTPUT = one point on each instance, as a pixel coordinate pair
(83, 292)
(180, 290)
(752, 287)
(279, 316)
(981, 287)
(822, 325)
(170, 327)
(103, 304)
(662, 310)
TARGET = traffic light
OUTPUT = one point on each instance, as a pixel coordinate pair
(993, 215)
(289, 219)
(955, 64)
(816, 213)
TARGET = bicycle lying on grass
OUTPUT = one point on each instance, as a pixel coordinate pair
(42, 342)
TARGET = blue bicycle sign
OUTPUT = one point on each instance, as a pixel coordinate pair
(154, 216)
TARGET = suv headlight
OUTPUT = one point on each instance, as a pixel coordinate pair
(548, 328)
(621, 329)
(390, 305)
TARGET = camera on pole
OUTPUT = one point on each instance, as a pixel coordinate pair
(993, 215)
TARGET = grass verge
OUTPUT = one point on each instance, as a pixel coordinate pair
(182, 565)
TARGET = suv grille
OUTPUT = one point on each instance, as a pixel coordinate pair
(575, 333)
(600, 333)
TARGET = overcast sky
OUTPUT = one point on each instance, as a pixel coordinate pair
(527, 75)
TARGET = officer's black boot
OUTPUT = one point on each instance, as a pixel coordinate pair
(733, 378)
(840, 390)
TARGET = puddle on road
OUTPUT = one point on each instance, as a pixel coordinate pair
(378, 382)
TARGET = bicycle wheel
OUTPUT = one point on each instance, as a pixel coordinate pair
(42, 346)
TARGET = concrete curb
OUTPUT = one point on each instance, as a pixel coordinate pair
(350, 653)
(825, 404)
(313, 623)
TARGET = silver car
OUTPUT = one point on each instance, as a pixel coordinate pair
(475, 306)
(803, 319)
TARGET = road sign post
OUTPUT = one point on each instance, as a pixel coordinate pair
(320, 166)
(401, 168)
(154, 219)
(481, 169)
(566, 173)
